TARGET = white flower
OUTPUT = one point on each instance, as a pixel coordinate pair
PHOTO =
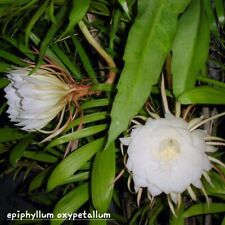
(34, 100)
(169, 155)
(165, 155)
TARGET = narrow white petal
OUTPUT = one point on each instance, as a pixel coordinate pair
(174, 197)
(191, 193)
(125, 140)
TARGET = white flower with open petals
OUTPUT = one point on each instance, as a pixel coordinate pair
(169, 155)
(34, 100)
(165, 156)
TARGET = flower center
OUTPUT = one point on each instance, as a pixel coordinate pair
(169, 149)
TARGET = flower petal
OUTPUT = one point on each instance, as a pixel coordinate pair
(34, 100)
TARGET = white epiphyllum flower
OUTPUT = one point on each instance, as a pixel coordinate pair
(168, 155)
(35, 99)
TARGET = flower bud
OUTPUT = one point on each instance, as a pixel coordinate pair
(34, 100)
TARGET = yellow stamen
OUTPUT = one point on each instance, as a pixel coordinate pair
(169, 149)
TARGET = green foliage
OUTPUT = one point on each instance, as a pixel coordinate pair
(211, 17)
(34, 19)
(220, 12)
(18, 151)
(85, 59)
(205, 208)
(197, 209)
(11, 58)
(183, 40)
(77, 134)
(39, 180)
(144, 58)
(203, 95)
(103, 175)
(3, 81)
(72, 163)
(40, 156)
(66, 61)
(10, 134)
(77, 13)
(71, 202)
(190, 48)
(51, 33)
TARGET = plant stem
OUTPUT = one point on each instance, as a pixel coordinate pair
(101, 51)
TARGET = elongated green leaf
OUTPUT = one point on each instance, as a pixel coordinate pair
(77, 13)
(88, 118)
(84, 58)
(77, 134)
(39, 179)
(11, 58)
(154, 214)
(70, 203)
(3, 82)
(10, 134)
(136, 217)
(50, 12)
(218, 185)
(73, 162)
(211, 16)
(67, 62)
(203, 95)
(40, 156)
(103, 175)
(220, 10)
(204, 208)
(23, 7)
(41, 10)
(51, 33)
(95, 103)
(190, 48)
(205, 79)
(49, 53)
(18, 150)
(100, 7)
(78, 177)
(178, 219)
(144, 58)
(116, 22)
(124, 5)
(20, 46)
(4, 66)
(2, 107)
